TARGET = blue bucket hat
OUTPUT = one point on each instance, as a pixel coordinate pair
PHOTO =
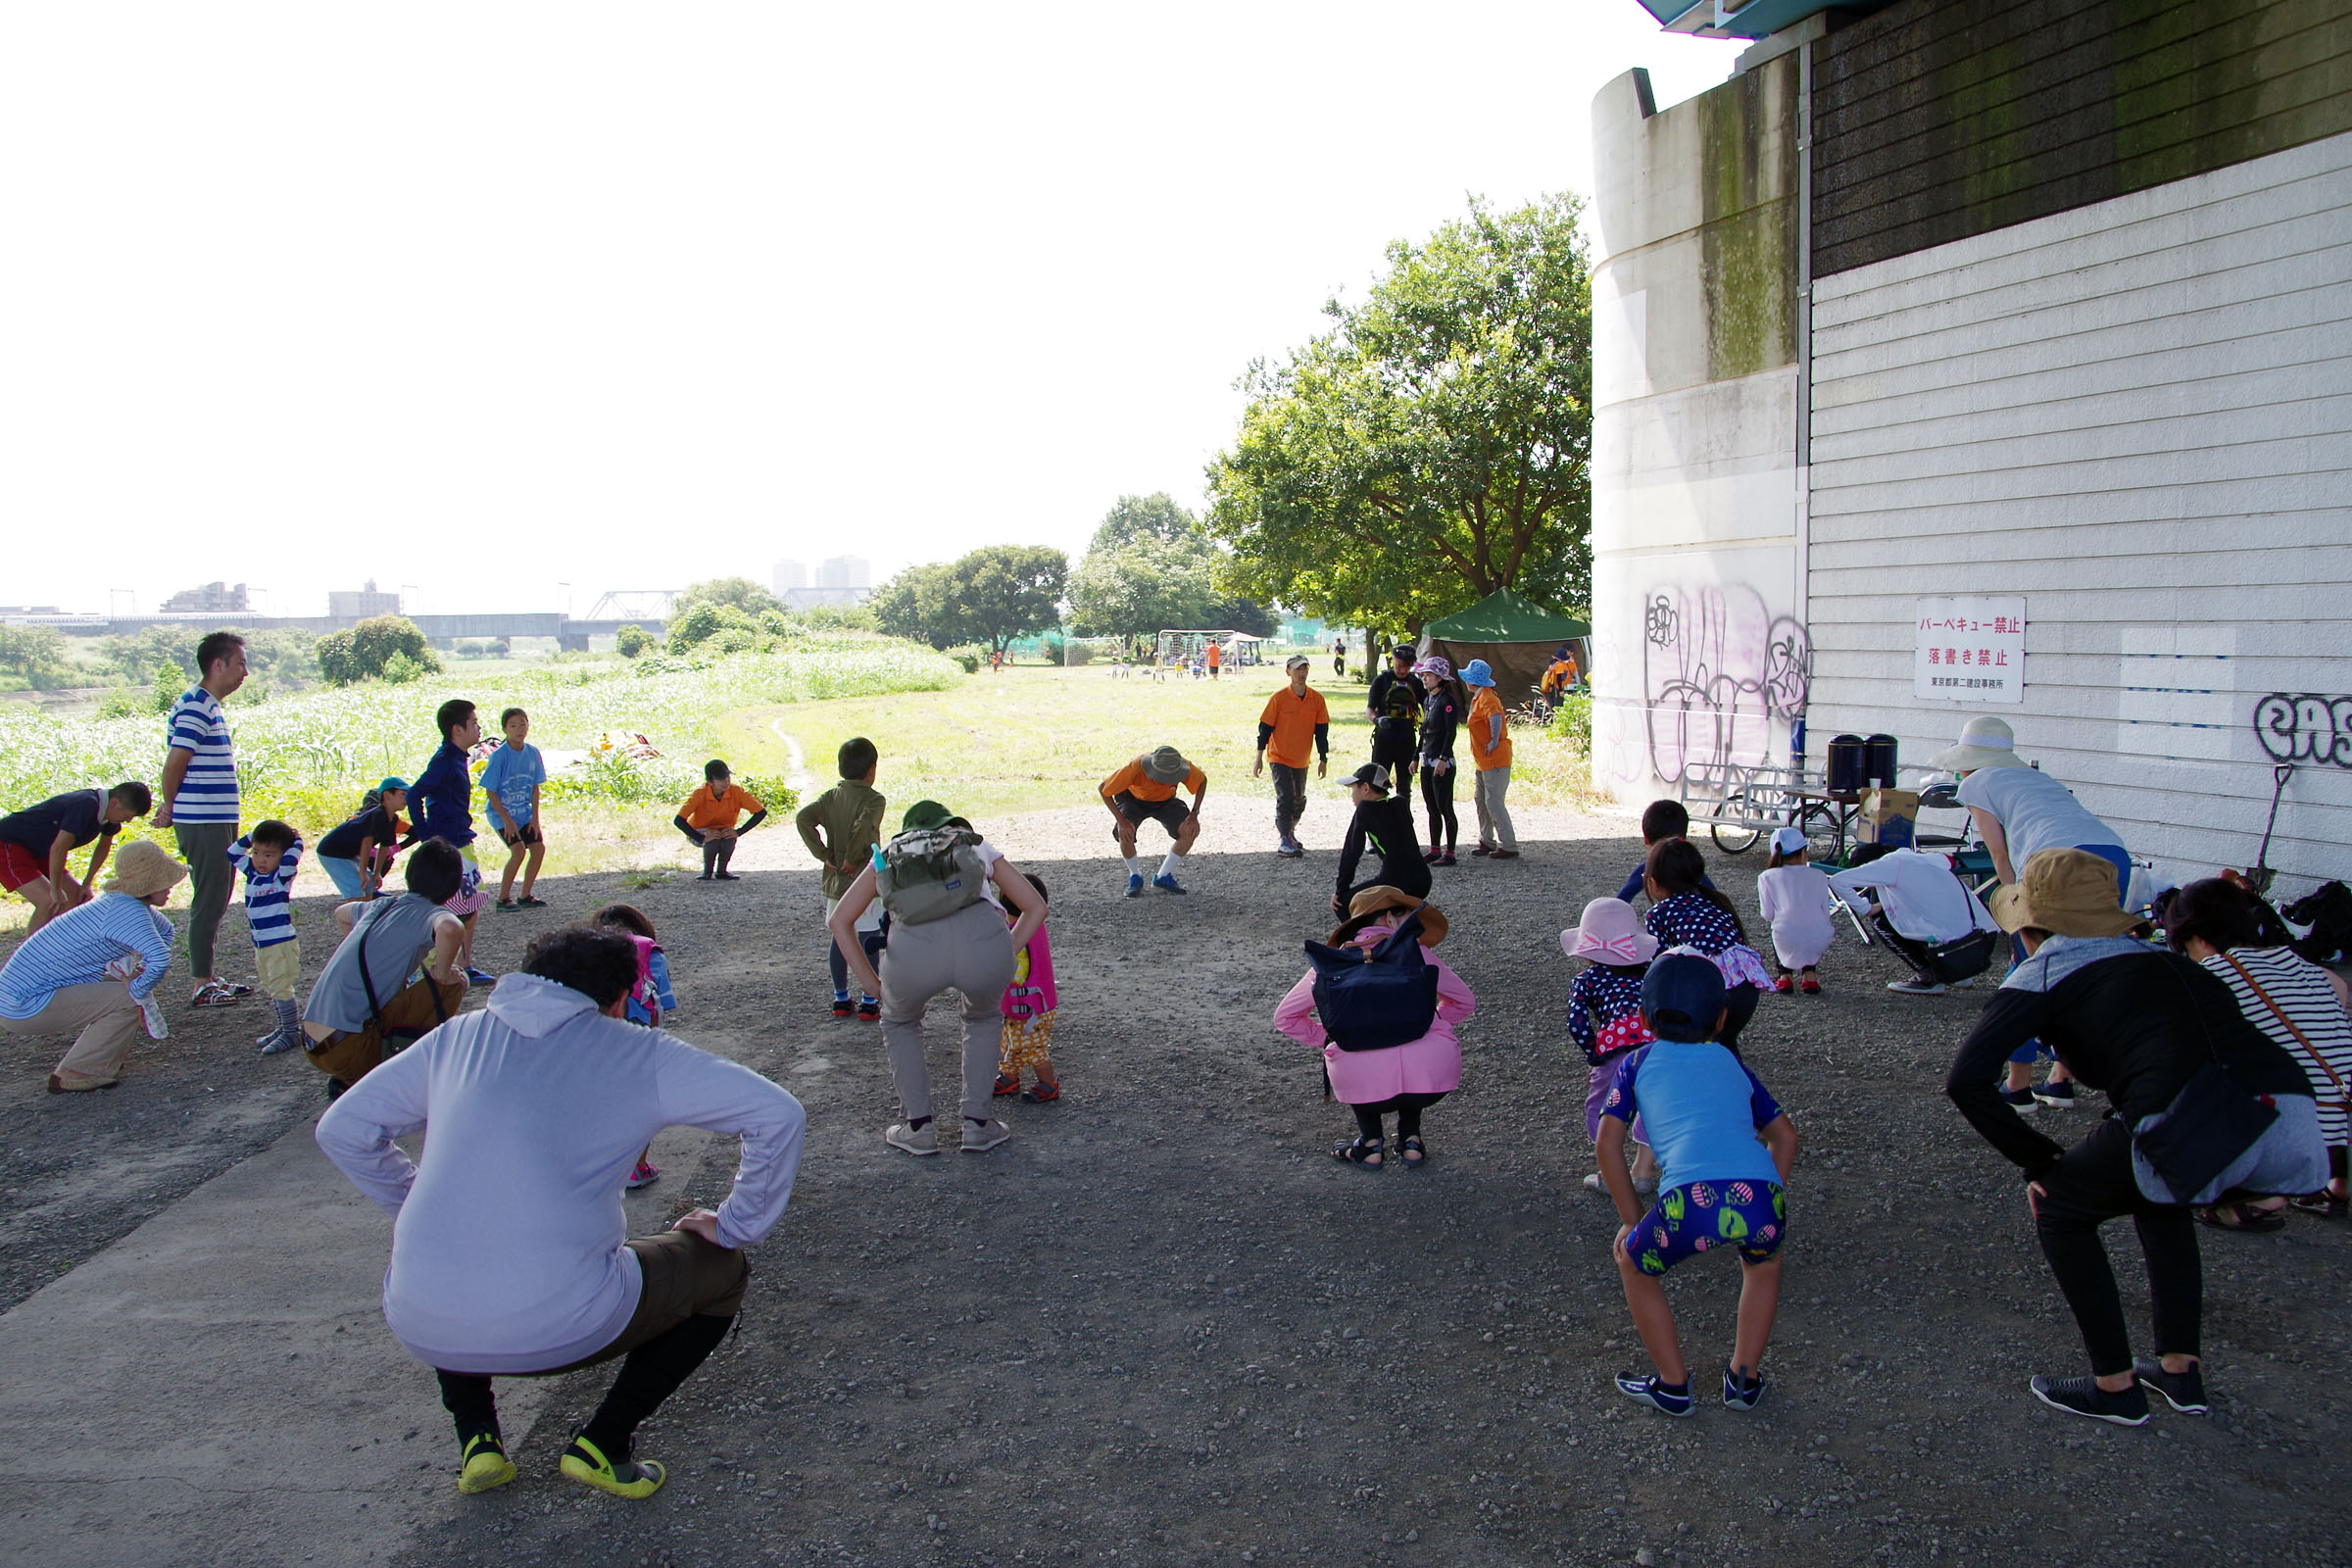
(1682, 997)
(1476, 673)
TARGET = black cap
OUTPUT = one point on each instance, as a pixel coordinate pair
(1372, 775)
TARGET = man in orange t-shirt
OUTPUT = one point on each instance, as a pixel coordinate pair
(1293, 719)
(1144, 791)
(708, 819)
(1490, 750)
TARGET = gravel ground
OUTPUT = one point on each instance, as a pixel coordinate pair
(1162, 1326)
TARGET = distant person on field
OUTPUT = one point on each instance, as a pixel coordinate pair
(1660, 820)
(94, 969)
(267, 859)
(650, 999)
(842, 828)
(35, 841)
(948, 892)
(1338, 659)
(1724, 1148)
(1026, 1042)
(1402, 1080)
(1441, 720)
(1293, 718)
(362, 1002)
(357, 853)
(1491, 753)
(1144, 791)
(199, 804)
(511, 1254)
(509, 783)
(1382, 826)
(1793, 896)
(1395, 710)
(1216, 657)
(711, 819)
(444, 797)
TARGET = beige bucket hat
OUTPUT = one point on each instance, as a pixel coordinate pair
(1983, 743)
(144, 868)
(2068, 893)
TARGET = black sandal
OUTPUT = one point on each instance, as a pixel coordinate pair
(1369, 1153)
(2240, 1218)
(2322, 1203)
(1410, 1151)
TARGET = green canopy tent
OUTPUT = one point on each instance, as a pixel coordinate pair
(1514, 635)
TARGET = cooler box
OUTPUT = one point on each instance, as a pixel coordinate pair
(1887, 816)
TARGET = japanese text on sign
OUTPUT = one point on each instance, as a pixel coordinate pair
(1970, 650)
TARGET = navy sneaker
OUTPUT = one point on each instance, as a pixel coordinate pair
(2058, 1094)
(2185, 1392)
(1167, 883)
(1134, 884)
(2021, 1101)
(1741, 1393)
(2085, 1397)
(1659, 1396)
(480, 977)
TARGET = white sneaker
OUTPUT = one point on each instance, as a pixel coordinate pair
(979, 1137)
(923, 1140)
(1915, 988)
(1593, 1184)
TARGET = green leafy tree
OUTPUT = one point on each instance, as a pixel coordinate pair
(722, 627)
(1433, 446)
(913, 604)
(732, 593)
(169, 681)
(1154, 516)
(135, 656)
(37, 652)
(1153, 566)
(632, 640)
(1001, 592)
(366, 652)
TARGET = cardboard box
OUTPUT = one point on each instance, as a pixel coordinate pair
(1887, 816)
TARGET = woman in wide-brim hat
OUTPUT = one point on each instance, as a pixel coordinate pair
(69, 975)
(2139, 1023)
(2019, 812)
(1404, 1080)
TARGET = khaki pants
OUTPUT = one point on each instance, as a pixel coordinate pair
(1493, 821)
(684, 1277)
(107, 1019)
(211, 880)
(278, 968)
(350, 1058)
(970, 952)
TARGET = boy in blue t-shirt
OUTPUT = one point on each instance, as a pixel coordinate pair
(509, 782)
(1723, 1148)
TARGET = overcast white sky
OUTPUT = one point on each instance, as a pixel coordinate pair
(488, 298)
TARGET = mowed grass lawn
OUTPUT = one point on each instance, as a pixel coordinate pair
(1035, 738)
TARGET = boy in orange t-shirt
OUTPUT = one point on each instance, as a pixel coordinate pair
(1144, 791)
(1490, 750)
(708, 819)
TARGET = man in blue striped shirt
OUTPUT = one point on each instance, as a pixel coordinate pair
(69, 975)
(200, 803)
(268, 857)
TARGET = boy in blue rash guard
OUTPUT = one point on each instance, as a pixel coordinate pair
(1724, 1146)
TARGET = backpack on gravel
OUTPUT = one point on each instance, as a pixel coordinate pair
(929, 875)
(1370, 999)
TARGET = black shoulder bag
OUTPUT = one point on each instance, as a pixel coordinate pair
(2209, 1124)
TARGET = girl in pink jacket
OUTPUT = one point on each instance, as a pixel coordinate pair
(1407, 1079)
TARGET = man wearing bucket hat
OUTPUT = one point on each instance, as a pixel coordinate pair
(69, 975)
(2021, 812)
(1144, 791)
(2141, 1024)
(1293, 718)
(1490, 754)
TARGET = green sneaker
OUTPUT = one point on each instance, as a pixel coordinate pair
(486, 1466)
(584, 1461)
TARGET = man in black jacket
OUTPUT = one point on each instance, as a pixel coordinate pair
(2137, 1024)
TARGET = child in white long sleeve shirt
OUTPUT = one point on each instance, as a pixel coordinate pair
(1793, 896)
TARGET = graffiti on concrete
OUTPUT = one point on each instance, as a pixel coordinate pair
(2301, 727)
(1717, 670)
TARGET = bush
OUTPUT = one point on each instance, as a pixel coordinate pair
(1572, 720)
(170, 681)
(970, 655)
(367, 649)
(632, 640)
(707, 621)
(400, 669)
(126, 702)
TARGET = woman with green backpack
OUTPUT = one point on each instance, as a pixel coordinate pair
(947, 890)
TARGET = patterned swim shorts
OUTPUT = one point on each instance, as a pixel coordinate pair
(1701, 1216)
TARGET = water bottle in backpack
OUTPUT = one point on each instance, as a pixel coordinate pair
(929, 875)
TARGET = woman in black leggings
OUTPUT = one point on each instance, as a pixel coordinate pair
(1440, 717)
(2137, 1024)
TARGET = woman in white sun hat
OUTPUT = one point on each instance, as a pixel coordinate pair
(2019, 812)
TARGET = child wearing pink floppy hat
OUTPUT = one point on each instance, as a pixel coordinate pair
(1604, 1004)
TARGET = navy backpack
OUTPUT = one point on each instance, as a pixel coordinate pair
(1371, 998)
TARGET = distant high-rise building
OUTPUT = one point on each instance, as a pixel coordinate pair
(343, 604)
(787, 575)
(213, 599)
(844, 571)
